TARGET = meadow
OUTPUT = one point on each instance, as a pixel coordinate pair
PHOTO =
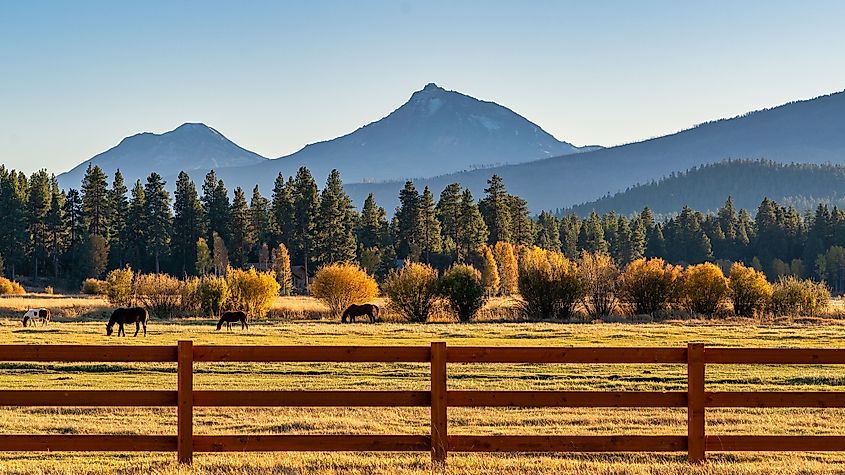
(80, 320)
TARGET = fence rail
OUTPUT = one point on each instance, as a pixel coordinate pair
(439, 398)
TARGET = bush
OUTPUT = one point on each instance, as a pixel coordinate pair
(412, 290)
(704, 288)
(463, 288)
(600, 278)
(49, 290)
(93, 286)
(749, 290)
(340, 285)
(158, 293)
(10, 287)
(549, 284)
(251, 291)
(213, 294)
(791, 296)
(649, 285)
(190, 301)
(119, 287)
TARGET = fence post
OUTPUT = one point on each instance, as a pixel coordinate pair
(438, 404)
(185, 402)
(695, 402)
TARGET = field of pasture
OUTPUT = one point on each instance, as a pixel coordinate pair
(80, 320)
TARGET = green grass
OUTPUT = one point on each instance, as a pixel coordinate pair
(415, 376)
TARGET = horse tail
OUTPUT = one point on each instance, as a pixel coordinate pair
(25, 320)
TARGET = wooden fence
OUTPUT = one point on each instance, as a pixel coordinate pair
(696, 399)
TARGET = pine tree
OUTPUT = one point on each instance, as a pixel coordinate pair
(95, 201)
(633, 241)
(38, 206)
(215, 205)
(158, 218)
(306, 208)
(430, 238)
(449, 213)
(408, 216)
(372, 228)
(118, 214)
(55, 225)
(136, 228)
(13, 233)
(473, 230)
(522, 226)
(335, 224)
(548, 232)
(187, 225)
(72, 211)
(259, 215)
(591, 236)
(570, 227)
(240, 230)
(495, 208)
(283, 212)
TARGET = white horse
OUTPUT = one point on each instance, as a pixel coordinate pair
(34, 315)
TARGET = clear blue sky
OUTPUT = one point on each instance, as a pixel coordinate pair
(77, 76)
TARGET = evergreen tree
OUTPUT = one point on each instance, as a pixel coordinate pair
(283, 211)
(496, 211)
(522, 227)
(473, 230)
(408, 218)
(430, 238)
(72, 211)
(187, 225)
(372, 228)
(95, 201)
(118, 214)
(335, 224)
(449, 213)
(157, 218)
(260, 219)
(633, 240)
(570, 227)
(591, 236)
(136, 240)
(55, 225)
(215, 206)
(38, 206)
(14, 233)
(306, 208)
(240, 231)
(548, 232)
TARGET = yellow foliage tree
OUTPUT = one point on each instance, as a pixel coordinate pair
(549, 283)
(704, 288)
(749, 290)
(507, 266)
(341, 285)
(119, 290)
(251, 291)
(412, 290)
(281, 266)
(649, 285)
(10, 287)
(490, 272)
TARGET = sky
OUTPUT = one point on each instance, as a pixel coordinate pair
(76, 77)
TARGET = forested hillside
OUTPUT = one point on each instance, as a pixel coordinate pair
(746, 181)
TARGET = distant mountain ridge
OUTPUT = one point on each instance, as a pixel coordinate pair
(809, 131)
(705, 188)
(189, 147)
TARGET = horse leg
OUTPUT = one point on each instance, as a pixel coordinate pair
(145, 328)
(137, 328)
(120, 330)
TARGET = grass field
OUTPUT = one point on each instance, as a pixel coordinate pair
(415, 376)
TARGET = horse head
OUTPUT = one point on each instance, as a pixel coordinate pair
(109, 329)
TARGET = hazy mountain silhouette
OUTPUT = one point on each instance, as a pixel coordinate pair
(189, 147)
(810, 131)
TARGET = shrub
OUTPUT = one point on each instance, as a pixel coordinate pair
(340, 285)
(119, 287)
(508, 269)
(92, 286)
(791, 296)
(463, 288)
(412, 290)
(10, 287)
(549, 284)
(749, 290)
(190, 300)
(704, 288)
(649, 285)
(158, 293)
(600, 278)
(251, 291)
(49, 290)
(213, 293)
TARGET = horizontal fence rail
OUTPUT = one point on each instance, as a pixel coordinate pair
(438, 398)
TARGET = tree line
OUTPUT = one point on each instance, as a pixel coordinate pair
(69, 235)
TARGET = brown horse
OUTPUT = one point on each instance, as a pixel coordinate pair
(233, 317)
(121, 316)
(367, 309)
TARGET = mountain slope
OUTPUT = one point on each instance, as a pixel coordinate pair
(746, 181)
(811, 131)
(435, 132)
(189, 147)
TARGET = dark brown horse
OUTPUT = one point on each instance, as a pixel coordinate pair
(121, 316)
(367, 309)
(233, 317)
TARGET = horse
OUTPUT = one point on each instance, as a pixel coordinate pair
(367, 309)
(233, 317)
(33, 315)
(121, 316)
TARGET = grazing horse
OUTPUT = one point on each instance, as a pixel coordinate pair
(233, 317)
(121, 316)
(33, 315)
(367, 309)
